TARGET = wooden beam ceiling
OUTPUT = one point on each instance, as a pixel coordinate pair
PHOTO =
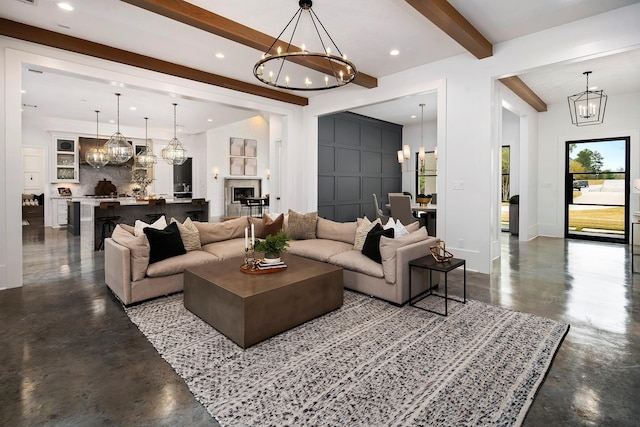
(449, 20)
(61, 41)
(519, 87)
(210, 22)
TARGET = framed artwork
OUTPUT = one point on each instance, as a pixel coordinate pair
(236, 165)
(236, 147)
(251, 166)
(250, 148)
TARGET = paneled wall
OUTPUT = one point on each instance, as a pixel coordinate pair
(356, 158)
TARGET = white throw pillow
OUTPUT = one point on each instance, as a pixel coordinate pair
(160, 224)
(399, 230)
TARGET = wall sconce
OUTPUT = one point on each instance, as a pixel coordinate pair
(406, 150)
(400, 157)
(268, 174)
(215, 173)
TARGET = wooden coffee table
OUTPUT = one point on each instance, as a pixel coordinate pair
(249, 308)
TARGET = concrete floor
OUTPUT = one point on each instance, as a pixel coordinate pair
(70, 356)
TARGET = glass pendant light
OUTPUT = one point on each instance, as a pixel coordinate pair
(97, 156)
(146, 159)
(174, 153)
(118, 148)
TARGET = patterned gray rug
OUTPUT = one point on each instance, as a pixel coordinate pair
(368, 363)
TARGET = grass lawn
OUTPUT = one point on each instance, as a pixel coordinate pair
(605, 219)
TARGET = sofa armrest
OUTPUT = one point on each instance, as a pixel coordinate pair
(420, 280)
(117, 269)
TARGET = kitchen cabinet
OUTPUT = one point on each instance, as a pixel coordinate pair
(65, 160)
(59, 212)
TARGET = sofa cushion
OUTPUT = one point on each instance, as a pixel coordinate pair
(399, 230)
(318, 249)
(226, 249)
(159, 224)
(130, 229)
(302, 226)
(189, 234)
(340, 231)
(177, 264)
(354, 260)
(164, 243)
(138, 247)
(218, 231)
(364, 225)
(266, 226)
(414, 226)
(389, 247)
(371, 248)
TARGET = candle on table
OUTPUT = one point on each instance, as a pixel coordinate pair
(253, 236)
(246, 239)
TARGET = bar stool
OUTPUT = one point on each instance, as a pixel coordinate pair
(156, 203)
(108, 221)
(195, 215)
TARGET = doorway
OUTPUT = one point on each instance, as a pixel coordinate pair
(597, 189)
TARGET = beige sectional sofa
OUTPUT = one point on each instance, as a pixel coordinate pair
(132, 280)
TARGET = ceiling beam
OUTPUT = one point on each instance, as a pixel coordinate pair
(449, 20)
(210, 22)
(62, 41)
(519, 87)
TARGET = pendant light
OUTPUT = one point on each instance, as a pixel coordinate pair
(97, 156)
(587, 108)
(146, 159)
(118, 148)
(174, 153)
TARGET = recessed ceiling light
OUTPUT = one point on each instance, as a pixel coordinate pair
(394, 52)
(413, 117)
(220, 55)
(209, 120)
(132, 108)
(23, 91)
(112, 121)
(65, 6)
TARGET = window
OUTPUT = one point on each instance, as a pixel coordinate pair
(426, 173)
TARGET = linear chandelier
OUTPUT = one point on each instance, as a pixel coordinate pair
(276, 67)
(174, 153)
(118, 148)
(587, 108)
(97, 156)
(146, 159)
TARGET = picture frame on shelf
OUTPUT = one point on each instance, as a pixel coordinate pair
(236, 147)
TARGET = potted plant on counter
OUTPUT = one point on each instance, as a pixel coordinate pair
(272, 246)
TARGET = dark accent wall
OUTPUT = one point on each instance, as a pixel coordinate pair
(356, 158)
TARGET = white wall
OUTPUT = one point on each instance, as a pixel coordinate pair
(622, 118)
(218, 157)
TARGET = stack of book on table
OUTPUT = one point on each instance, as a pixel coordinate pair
(268, 266)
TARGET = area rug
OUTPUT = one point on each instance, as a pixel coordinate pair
(369, 364)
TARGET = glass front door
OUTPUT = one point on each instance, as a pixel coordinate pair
(597, 189)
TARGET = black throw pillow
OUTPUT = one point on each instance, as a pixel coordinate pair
(164, 243)
(371, 247)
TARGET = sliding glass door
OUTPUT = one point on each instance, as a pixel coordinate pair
(597, 189)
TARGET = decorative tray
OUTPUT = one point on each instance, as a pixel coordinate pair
(247, 270)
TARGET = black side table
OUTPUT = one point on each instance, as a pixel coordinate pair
(429, 263)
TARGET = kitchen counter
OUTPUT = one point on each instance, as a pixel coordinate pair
(129, 211)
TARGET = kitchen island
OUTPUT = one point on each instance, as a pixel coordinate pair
(129, 211)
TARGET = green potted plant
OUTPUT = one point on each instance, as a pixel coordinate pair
(273, 245)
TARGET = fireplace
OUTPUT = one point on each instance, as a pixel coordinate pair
(242, 192)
